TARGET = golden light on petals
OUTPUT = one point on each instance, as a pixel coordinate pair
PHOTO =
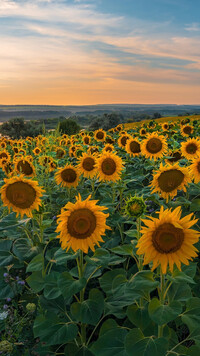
(22, 195)
(168, 240)
(169, 179)
(82, 225)
(154, 146)
(191, 148)
(25, 167)
(109, 167)
(186, 130)
(133, 147)
(100, 135)
(87, 166)
(194, 170)
(67, 176)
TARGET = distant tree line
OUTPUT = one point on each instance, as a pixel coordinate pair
(19, 128)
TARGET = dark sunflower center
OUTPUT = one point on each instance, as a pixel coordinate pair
(81, 223)
(60, 153)
(100, 135)
(175, 157)
(21, 194)
(25, 168)
(108, 149)
(167, 238)
(109, 140)
(124, 140)
(8, 168)
(3, 155)
(191, 148)
(170, 180)
(135, 147)
(187, 130)
(143, 132)
(68, 175)
(86, 140)
(108, 166)
(15, 149)
(88, 164)
(37, 150)
(154, 145)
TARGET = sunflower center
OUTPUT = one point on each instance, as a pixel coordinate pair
(123, 140)
(3, 154)
(167, 238)
(100, 135)
(108, 166)
(81, 223)
(135, 147)
(25, 168)
(88, 164)
(191, 148)
(170, 180)
(60, 153)
(143, 132)
(175, 157)
(68, 175)
(86, 140)
(21, 194)
(187, 130)
(154, 145)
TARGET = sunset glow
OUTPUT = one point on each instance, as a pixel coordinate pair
(96, 52)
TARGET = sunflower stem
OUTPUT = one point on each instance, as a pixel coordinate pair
(81, 272)
(162, 300)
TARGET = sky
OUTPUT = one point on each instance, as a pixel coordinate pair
(82, 52)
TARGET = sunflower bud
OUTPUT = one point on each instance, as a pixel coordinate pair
(6, 346)
(135, 206)
(30, 307)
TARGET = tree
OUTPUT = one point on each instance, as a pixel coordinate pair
(157, 115)
(69, 127)
(19, 128)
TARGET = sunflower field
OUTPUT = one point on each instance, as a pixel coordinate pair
(99, 242)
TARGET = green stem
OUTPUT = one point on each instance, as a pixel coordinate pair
(81, 271)
(162, 300)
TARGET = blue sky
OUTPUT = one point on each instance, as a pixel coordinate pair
(103, 51)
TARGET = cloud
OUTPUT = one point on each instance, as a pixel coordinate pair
(194, 27)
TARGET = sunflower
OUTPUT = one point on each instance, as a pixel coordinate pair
(165, 126)
(154, 146)
(168, 240)
(60, 152)
(186, 130)
(93, 150)
(191, 148)
(133, 147)
(24, 166)
(81, 225)
(109, 167)
(119, 127)
(143, 132)
(67, 176)
(7, 168)
(169, 179)
(86, 165)
(3, 144)
(4, 154)
(36, 151)
(194, 169)
(22, 195)
(108, 148)
(86, 139)
(109, 139)
(175, 156)
(100, 135)
(122, 140)
(52, 166)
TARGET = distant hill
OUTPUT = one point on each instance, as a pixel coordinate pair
(39, 112)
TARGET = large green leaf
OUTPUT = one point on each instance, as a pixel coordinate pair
(137, 344)
(23, 249)
(36, 281)
(162, 314)
(110, 343)
(70, 286)
(191, 316)
(36, 264)
(53, 331)
(138, 316)
(51, 289)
